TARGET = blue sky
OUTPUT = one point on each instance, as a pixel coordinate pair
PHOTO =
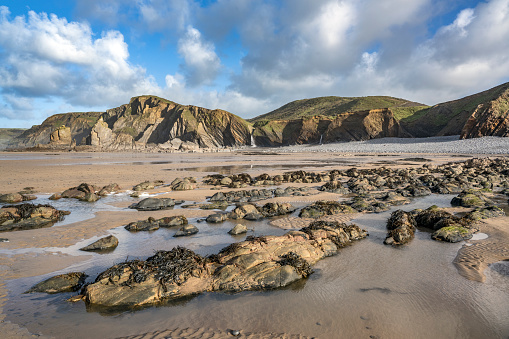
(245, 56)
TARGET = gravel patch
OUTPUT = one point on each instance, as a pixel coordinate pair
(448, 144)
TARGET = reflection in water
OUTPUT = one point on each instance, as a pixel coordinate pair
(367, 290)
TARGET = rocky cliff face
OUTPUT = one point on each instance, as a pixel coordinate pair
(477, 115)
(148, 121)
(489, 119)
(59, 129)
(362, 125)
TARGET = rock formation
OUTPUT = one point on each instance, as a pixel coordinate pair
(149, 120)
(257, 263)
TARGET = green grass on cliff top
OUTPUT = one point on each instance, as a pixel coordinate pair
(330, 106)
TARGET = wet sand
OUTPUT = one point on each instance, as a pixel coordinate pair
(55, 172)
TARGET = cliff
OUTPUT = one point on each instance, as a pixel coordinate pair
(80, 125)
(149, 121)
(481, 114)
(349, 126)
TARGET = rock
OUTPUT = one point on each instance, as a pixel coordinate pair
(106, 243)
(485, 213)
(217, 218)
(153, 204)
(275, 209)
(177, 220)
(431, 217)
(11, 198)
(147, 185)
(80, 192)
(238, 229)
(186, 230)
(256, 263)
(321, 208)
(143, 225)
(471, 198)
(55, 196)
(28, 216)
(401, 226)
(68, 282)
(255, 216)
(61, 136)
(242, 210)
(90, 197)
(183, 184)
(108, 189)
(4, 240)
(453, 234)
(225, 181)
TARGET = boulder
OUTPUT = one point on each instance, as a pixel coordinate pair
(186, 230)
(147, 185)
(217, 218)
(108, 189)
(11, 198)
(471, 198)
(485, 213)
(28, 216)
(106, 243)
(453, 233)
(238, 229)
(273, 209)
(150, 224)
(55, 196)
(68, 282)
(90, 197)
(183, 184)
(153, 204)
(177, 220)
(401, 227)
(79, 192)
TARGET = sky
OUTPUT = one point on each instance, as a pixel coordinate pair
(248, 57)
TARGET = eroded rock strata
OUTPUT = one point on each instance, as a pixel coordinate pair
(256, 263)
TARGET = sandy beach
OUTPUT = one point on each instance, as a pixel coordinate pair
(38, 252)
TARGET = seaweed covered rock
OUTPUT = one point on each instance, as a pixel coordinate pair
(485, 213)
(401, 227)
(321, 208)
(153, 204)
(68, 282)
(334, 187)
(453, 233)
(28, 216)
(12, 198)
(433, 218)
(167, 274)
(471, 198)
(256, 263)
(107, 243)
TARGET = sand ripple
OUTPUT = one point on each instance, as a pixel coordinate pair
(208, 333)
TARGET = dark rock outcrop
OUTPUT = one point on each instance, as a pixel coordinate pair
(28, 216)
(257, 263)
(153, 204)
(68, 282)
(401, 226)
(107, 243)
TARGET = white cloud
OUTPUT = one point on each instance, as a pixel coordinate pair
(45, 55)
(202, 65)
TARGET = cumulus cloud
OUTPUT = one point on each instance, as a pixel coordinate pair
(202, 65)
(45, 55)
